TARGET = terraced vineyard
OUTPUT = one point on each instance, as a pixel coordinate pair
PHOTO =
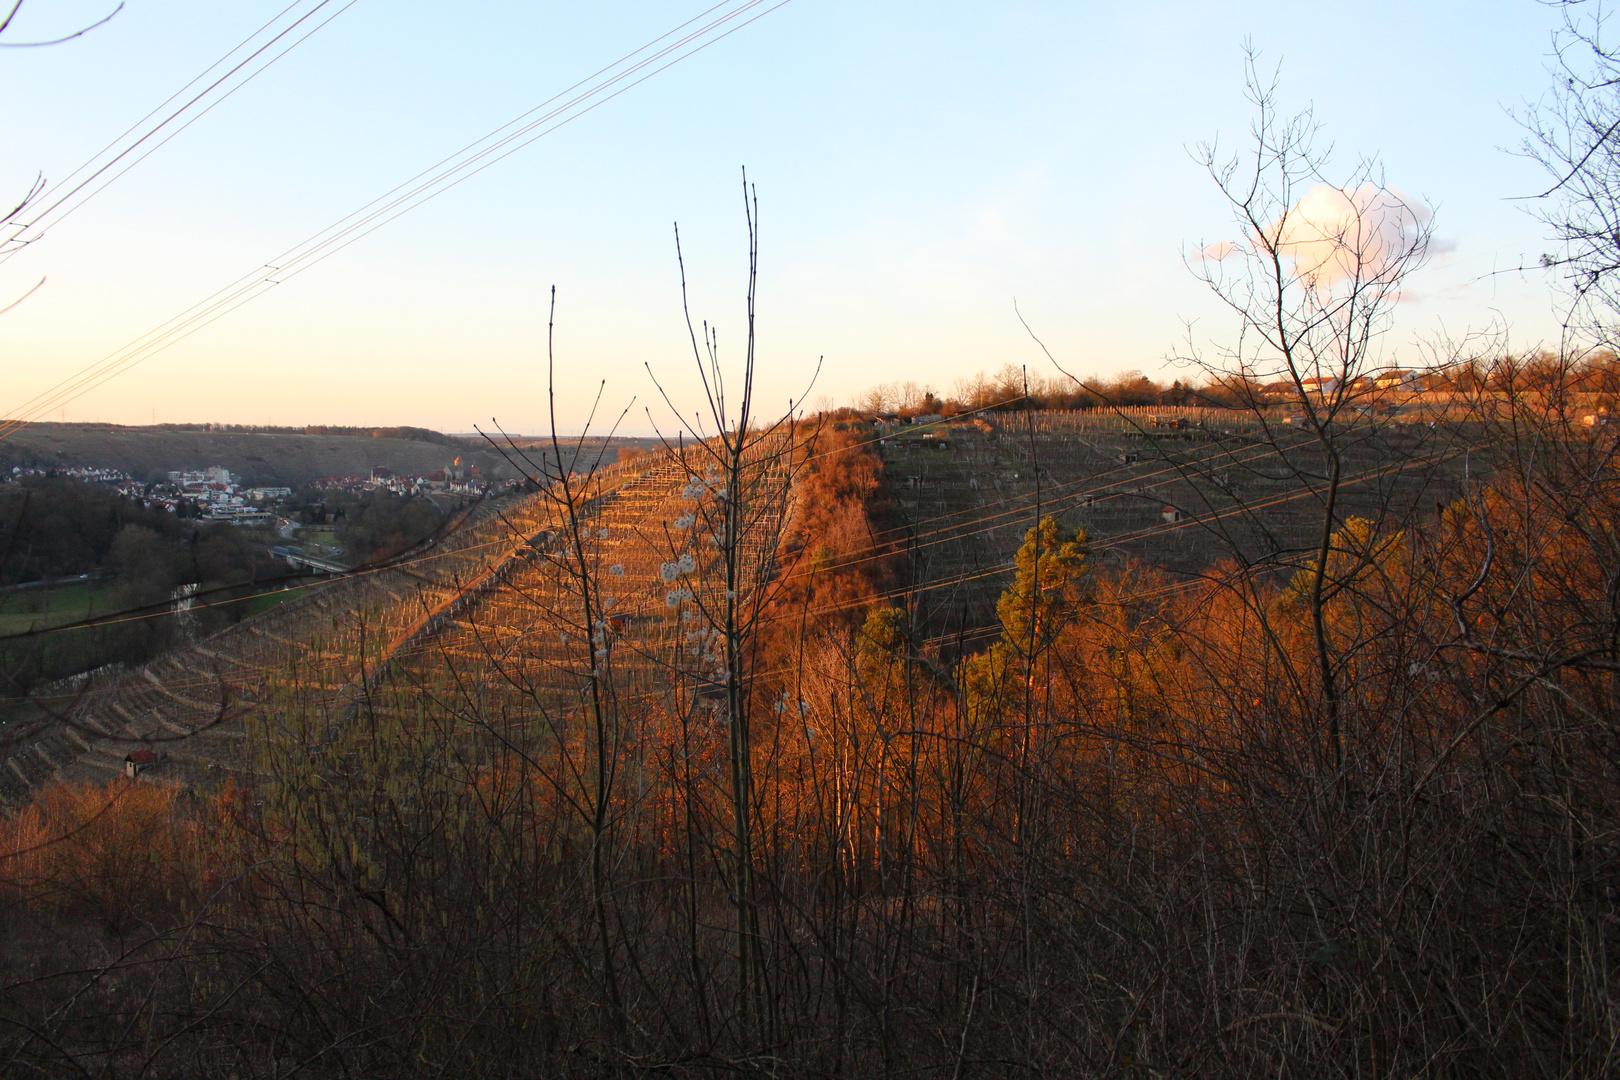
(196, 706)
(498, 602)
(1225, 485)
(527, 642)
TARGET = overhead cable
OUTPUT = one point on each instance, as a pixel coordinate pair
(196, 99)
(658, 55)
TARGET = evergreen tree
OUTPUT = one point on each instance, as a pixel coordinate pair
(1047, 588)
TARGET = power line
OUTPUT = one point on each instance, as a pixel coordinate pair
(1121, 539)
(70, 193)
(629, 71)
(321, 669)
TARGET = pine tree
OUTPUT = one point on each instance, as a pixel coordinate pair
(1048, 586)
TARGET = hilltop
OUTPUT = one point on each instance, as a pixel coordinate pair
(279, 457)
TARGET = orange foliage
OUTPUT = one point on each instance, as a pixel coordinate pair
(125, 854)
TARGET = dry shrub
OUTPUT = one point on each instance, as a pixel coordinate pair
(127, 854)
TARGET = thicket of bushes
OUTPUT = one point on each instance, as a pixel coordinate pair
(379, 524)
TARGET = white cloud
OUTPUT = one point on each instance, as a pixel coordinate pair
(1335, 235)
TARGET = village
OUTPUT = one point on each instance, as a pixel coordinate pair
(214, 493)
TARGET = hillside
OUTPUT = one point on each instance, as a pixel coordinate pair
(173, 701)
(290, 460)
(1224, 487)
(552, 726)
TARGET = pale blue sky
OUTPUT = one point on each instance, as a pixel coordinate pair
(918, 165)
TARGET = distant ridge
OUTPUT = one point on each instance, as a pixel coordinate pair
(289, 456)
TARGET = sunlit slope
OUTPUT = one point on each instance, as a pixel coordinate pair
(204, 707)
(530, 635)
(534, 645)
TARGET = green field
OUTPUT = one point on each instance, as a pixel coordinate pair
(41, 609)
(26, 609)
(269, 600)
(311, 535)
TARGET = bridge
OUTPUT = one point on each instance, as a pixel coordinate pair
(299, 557)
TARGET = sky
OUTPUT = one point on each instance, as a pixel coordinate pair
(919, 168)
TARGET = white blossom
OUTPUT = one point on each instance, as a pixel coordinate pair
(668, 572)
(617, 569)
(684, 521)
(688, 564)
(601, 534)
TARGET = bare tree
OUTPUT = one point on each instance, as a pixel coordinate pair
(1312, 277)
(1574, 133)
(38, 186)
(739, 476)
